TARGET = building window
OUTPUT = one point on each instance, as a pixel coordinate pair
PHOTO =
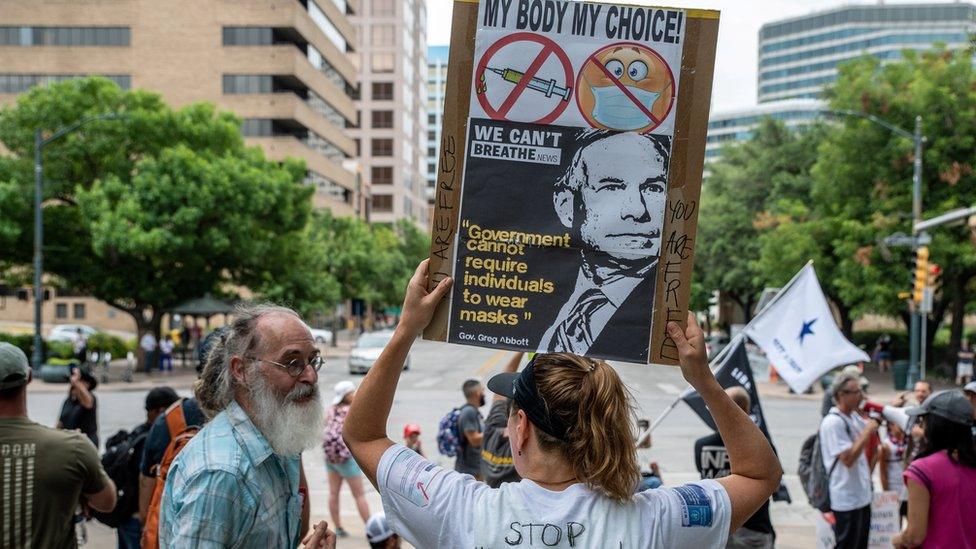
(381, 175)
(19, 83)
(431, 152)
(65, 36)
(382, 91)
(257, 127)
(79, 311)
(382, 62)
(382, 119)
(326, 26)
(382, 35)
(381, 147)
(247, 83)
(61, 310)
(382, 203)
(431, 118)
(384, 7)
(248, 36)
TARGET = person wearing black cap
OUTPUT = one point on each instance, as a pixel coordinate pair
(79, 412)
(44, 471)
(941, 481)
(571, 433)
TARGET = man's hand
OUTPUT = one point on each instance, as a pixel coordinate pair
(691, 352)
(320, 537)
(75, 376)
(419, 304)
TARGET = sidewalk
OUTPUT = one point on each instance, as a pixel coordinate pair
(182, 377)
(881, 388)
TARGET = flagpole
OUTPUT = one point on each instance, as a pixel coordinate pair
(721, 355)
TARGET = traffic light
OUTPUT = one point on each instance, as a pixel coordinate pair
(921, 273)
(935, 277)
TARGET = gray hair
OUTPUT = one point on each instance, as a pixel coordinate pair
(841, 380)
(577, 173)
(215, 388)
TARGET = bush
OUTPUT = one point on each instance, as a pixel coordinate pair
(24, 341)
(59, 349)
(869, 338)
(102, 342)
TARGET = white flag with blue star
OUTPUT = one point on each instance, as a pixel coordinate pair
(799, 335)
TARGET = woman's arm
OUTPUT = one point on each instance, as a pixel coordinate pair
(755, 469)
(918, 516)
(365, 428)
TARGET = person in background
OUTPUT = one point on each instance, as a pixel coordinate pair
(79, 411)
(964, 363)
(339, 463)
(43, 472)
(496, 449)
(844, 435)
(79, 345)
(882, 352)
(851, 370)
(471, 428)
(712, 461)
(148, 345)
(922, 390)
(129, 531)
(411, 438)
(166, 347)
(379, 534)
(892, 464)
(941, 480)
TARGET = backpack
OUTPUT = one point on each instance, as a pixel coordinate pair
(335, 448)
(448, 435)
(121, 463)
(179, 435)
(814, 477)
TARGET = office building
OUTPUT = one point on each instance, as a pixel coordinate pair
(798, 57)
(392, 133)
(436, 88)
(284, 66)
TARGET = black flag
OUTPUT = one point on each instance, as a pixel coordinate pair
(735, 370)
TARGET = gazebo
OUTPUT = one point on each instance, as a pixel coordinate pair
(203, 307)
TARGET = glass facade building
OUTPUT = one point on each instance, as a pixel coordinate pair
(798, 57)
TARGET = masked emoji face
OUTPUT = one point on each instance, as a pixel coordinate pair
(626, 88)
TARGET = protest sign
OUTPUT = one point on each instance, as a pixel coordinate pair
(885, 523)
(569, 175)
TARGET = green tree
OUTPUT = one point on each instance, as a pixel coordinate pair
(154, 208)
(863, 178)
(736, 199)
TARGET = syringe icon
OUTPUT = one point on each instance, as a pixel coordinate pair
(547, 87)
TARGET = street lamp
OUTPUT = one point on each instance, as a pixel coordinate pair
(917, 138)
(39, 142)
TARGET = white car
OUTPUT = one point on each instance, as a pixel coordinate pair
(321, 336)
(367, 350)
(67, 332)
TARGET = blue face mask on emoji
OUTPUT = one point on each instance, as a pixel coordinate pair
(615, 110)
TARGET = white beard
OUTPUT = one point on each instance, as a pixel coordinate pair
(289, 427)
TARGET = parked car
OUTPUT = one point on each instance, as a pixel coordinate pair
(367, 350)
(321, 336)
(66, 332)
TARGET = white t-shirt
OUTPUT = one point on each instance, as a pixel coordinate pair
(850, 487)
(434, 507)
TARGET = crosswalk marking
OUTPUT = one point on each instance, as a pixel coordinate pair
(428, 382)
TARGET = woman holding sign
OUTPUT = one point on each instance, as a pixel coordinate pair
(571, 436)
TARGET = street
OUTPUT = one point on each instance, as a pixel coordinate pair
(433, 386)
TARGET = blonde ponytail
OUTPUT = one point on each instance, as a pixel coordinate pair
(588, 396)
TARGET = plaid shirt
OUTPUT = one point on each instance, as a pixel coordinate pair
(228, 488)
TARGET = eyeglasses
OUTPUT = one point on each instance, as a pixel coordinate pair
(294, 367)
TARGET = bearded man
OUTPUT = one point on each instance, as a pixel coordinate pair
(236, 483)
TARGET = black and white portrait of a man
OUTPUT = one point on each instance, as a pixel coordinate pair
(612, 199)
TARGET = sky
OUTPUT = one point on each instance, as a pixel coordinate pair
(734, 84)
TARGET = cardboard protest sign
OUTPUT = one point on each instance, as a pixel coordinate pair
(885, 520)
(569, 175)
